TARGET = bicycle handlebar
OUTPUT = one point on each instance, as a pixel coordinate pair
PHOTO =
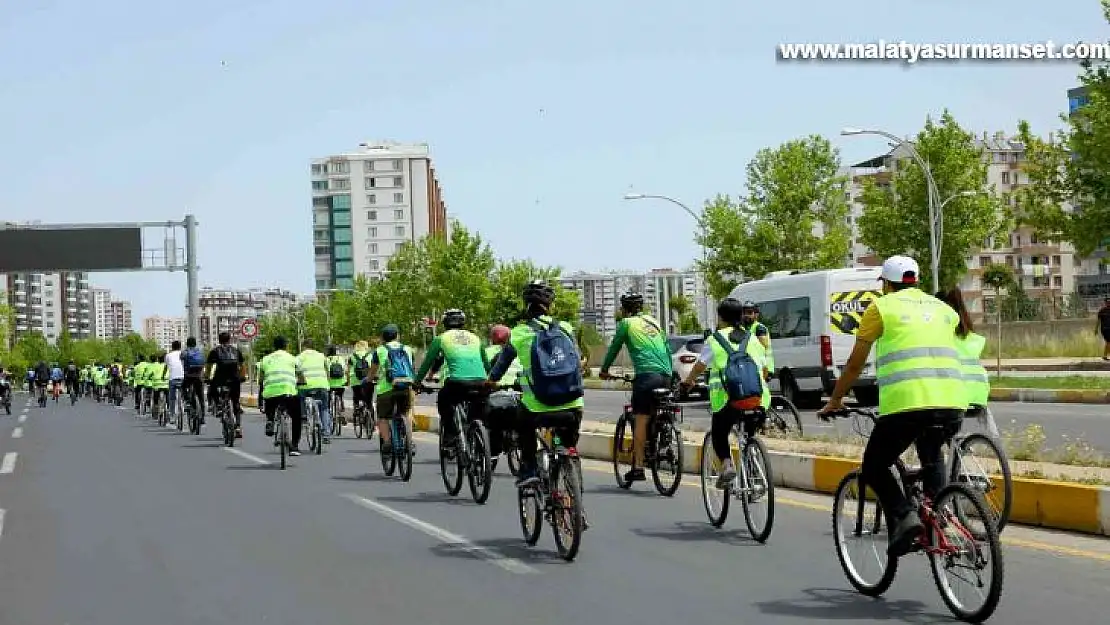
(847, 412)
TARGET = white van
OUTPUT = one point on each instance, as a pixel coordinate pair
(812, 317)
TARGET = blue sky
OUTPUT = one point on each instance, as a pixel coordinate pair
(540, 115)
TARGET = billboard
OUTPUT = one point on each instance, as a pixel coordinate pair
(70, 249)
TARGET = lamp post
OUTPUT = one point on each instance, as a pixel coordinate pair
(327, 317)
(704, 254)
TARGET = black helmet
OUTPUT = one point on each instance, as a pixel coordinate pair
(730, 310)
(454, 319)
(390, 332)
(538, 292)
(750, 305)
(632, 301)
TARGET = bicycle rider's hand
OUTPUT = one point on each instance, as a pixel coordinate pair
(834, 405)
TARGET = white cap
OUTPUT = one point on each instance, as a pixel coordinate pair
(895, 269)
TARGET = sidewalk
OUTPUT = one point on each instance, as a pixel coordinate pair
(1048, 364)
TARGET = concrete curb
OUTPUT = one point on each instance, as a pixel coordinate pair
(1043, 503)
(1028, 395)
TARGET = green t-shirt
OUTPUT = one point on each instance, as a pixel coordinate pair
(381, 358)
(462, 350)
(647, 346)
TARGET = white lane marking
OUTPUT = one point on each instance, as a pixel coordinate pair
(511, 565)
(243, 454)
(3, 513)
(22, 418)
(17, 432)
(8, 464)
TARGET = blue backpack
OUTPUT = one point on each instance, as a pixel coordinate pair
(398, 369)
(192, 358)
(742, 376)
(556, 373)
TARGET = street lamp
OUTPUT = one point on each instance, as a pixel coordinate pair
(704, 233)
(327, 317)
(931, 191)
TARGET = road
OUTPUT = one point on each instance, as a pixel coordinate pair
(109, 519)
(1089, 422)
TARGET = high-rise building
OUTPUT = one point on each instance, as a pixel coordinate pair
(111, 318)
(366, 204)
(224, 310)
(1077, 98)
(165, 330)
(50, 303)
(600, 296)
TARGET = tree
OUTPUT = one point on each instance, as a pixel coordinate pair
(686, 317)
(1072, 168)
(895, 218)
(998, 277)
(794, 216)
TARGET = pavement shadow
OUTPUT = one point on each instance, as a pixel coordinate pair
(821, 604)
(463, 498)
(210, 445)
(254, 467)
(367, 477)
(507, 547)
(694, 531)
(613, 489)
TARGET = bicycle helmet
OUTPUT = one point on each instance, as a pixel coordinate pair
(454, 319)
(499, 335)
(538, 292)
(749, 305)
(632, 301)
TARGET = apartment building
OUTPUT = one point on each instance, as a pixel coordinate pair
(111, 318)
(50, 303)
(366, 204)
(165, 330)
(224, 310)
(600, 296)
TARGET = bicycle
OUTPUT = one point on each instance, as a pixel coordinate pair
(398, 456)
(362, 423)
(507, 401)
(663, 447)
(117, 392)
(754, 484)
(158, 408)
(283, 425)
(469, 451)
(556, 496)
(191, 409)
(946, 524)
(56, 391)
(313, 420)
(42, 396)
(222, 410)
(964, 467)
(73, 394)
(783, 415)
(337, 418)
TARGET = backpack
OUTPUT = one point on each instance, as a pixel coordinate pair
(556, 375)
(742, 376)
(227, 356)
(115, 370)
(336, 370)
(362, 367)
(192, 358)
(399, 367)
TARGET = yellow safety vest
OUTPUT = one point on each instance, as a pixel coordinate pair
(718, 394)
(917, 363)
(976, 382)
(314, 367)
(512, 373)
(280, 371)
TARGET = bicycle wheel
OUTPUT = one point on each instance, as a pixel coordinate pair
(784, 416)
(622, 450)
(666, 463)
(451, 464)
(512, 454)
(959, 548)
(403, 437)
(336, 420)
(279, 435)
(566, 516)
(531, 514)
(478, 471)
(861, 518)
(979, 463)
(715, 499)
(227, 419)
(360, 419)
(758, 490)
(389, 459)
(179, 413)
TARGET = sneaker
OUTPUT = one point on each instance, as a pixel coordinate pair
(269, 428)
(904, 536)
(635, 475)
(294, 452)
(728, 474)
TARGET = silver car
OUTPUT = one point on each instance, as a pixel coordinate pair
(684, 353)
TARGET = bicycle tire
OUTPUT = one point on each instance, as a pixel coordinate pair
(228, 422)
(890, 569)
(573, 490)
(667, 426)
(530, 511)
(453, 487)
(709, 484)
(619, 432)
(179, 412)
(359, 418)
(336, 420)
(992, 542)
(389, 460)
(478, 470)
(788, 415)
(1001, 513)
(404, 461)
(759, 534)
(512, 455)
(279, 434)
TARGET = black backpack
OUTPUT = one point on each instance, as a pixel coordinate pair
(362, 366)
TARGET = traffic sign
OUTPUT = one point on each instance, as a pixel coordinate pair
(430, 322)
(248, 329)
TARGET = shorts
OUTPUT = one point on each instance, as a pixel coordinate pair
(398, 398)
(643, 391)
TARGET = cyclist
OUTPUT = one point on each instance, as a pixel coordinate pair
(358, 366)
(139, 379)
(756, 328)
(56, 377)
(158, 375)
(394, 388)
(29, 380)
(192, 365)
(226, 367)
(41, 378)
(564, 419)
(279, 378)
(72, 376)
(921, 394)
(314, 369)
(461, 352)
(502, 404)
(100, 380)
(970, 345)
(175, 375)
(714, 356)
(115, 378)
(86, 380)
(338, 378)
(651, 360)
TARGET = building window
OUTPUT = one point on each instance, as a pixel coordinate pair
(371, 182)
(399, 213)
(399, 231)
(398, 181)
(398, 198)
(321, 250)
(373, 247)
(371, 199)
(984, 261)
(397, 164)
(318, 170)
(341, 184)
(320, 202)
(321, 235)
(341, 202)
(367, 166)
(343, 252)
(345, 283)
(398, 246)
(344, 268)
(319, 185)
(1056, 260)
(341, 218)
(1057, 281)
(374, 264)
(340, 167)
(1005, 177)
(342, 235)
(372, 215)
(372, 232)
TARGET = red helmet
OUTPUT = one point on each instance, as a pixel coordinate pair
(499, 334)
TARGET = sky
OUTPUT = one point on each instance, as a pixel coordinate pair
(540, 116)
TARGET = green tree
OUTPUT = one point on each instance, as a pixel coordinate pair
(1072, 168)
(683, 311)
(793, 216)
(895, 218)
(998, 277)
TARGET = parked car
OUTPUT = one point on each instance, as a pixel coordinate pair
(684, 353)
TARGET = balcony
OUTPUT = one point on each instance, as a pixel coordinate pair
(1037, 249)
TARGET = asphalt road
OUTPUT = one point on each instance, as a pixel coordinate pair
(1089, 422)
(109, 520)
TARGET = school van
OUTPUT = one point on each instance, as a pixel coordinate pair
(812, 317)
